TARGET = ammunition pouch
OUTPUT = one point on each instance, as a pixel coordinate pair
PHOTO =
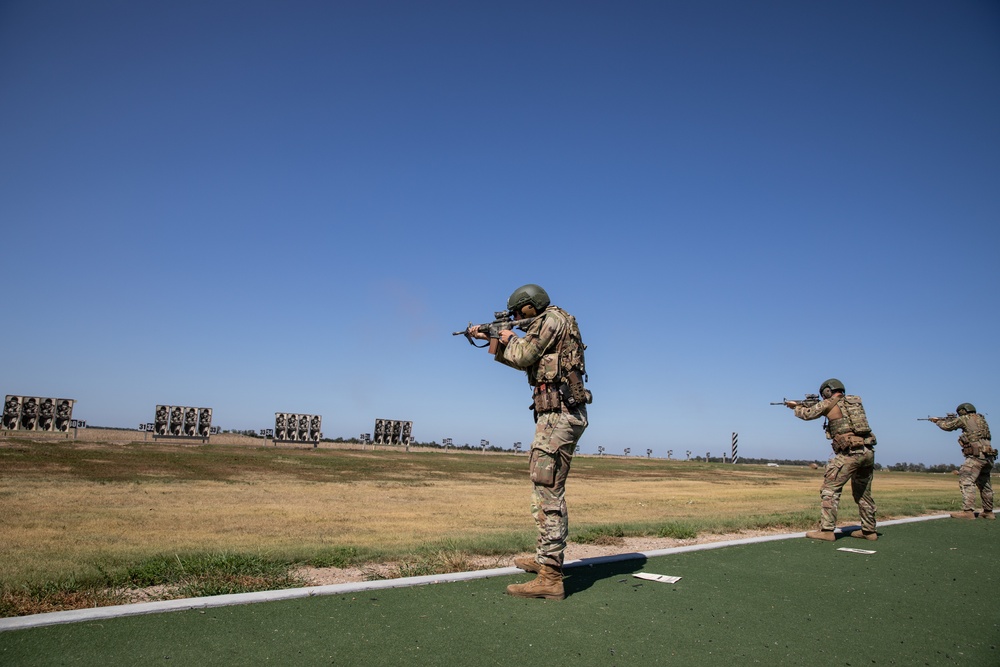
(546, 399)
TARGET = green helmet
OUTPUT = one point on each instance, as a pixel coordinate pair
(526, 294)
(834, 385)
(965, 409)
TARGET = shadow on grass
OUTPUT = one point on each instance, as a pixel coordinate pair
(584, 574)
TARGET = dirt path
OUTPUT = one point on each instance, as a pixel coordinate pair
(323, 576)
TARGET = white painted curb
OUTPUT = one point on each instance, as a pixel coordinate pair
(98, 613)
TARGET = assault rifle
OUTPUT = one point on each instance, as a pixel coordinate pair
(504, 320)
(928, 418)
(809, 401)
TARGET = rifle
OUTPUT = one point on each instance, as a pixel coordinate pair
(928, 418)
(504, 320)
(809, 401)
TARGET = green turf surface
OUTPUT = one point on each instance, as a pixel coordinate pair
(927, 597)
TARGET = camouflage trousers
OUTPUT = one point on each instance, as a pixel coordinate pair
(556, 436)
(975, 474)
(859, 469)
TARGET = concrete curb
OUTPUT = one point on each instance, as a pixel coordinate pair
(99, 613)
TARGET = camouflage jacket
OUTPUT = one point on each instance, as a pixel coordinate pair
(537, 353)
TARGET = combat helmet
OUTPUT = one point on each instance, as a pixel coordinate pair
(834, 385)
(966, 409)
(526, 294)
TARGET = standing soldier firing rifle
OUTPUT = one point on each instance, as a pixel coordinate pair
(853, 457)
(979, 458)
(551, 353)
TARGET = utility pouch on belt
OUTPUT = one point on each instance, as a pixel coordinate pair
(573, 392)
(971, 450)
(846, 441)
(546, 399)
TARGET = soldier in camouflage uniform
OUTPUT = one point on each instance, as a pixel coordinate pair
(979, 458)
(551, 353)
(853, 458)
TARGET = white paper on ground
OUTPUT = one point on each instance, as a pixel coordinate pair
(657, 577)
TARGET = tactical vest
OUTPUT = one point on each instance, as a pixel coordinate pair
(975, 438)
(571, 349)
(563, 383)
(975, 428)
(573, 367)
(851, 430)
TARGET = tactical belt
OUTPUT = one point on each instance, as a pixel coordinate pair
(848, 443)
(978, 449)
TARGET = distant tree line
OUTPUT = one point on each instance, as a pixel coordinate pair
(783, 462)
(895, 467)
(920, 467)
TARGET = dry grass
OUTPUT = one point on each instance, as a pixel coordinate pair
(71, 509)
(25, 605)
(58, 527)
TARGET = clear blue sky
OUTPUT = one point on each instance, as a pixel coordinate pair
(289, 206)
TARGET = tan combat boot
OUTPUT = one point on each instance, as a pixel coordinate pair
(548, 584)
(964, 514)
(865, 536)
(526, 563)
(988, 515)
(826, 535)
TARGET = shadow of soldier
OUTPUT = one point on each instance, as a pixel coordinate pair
(581, 575)
(845, 532)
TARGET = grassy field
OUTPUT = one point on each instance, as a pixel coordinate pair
(85, 522)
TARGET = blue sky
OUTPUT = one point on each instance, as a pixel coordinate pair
(289, 206)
